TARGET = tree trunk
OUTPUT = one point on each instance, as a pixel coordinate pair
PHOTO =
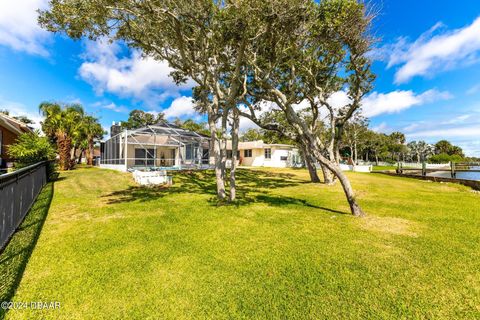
(313, 146)
(74, 154)
(64, 144)
(335, 169)
(79, 161)
(223, 147)
(234, 131)
(328, 176)
(348, 190)
(89, 155)
(312, 171)
(356, 153)
(310, 163)
(216, 157)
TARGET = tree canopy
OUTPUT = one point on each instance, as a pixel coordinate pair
(242, 52)
(139, 118)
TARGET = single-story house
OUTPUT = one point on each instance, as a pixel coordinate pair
(96, 154)
(159, 146)
(10, 129)
(260, 154)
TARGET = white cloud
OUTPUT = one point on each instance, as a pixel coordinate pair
(382, 128)
(469, 131)
(396, 101)
(372, 105)
(339, 99)
(183, 106)
(112, 106)
(431, 53)
(18, 26)
(413, 126)
(18, 109)
(473, 89)
(141, 77)
(458, 119)
(462, 130)
(470, 148)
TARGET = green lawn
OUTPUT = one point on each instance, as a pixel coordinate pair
(384, 168)
(111, 250)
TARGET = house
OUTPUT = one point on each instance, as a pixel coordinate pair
(82, 154)
(260, 154)
(154, 147)
(10, 129)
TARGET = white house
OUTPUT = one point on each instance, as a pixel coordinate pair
(260, 154)
(164, 146)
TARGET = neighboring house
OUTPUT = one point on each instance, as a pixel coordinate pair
(260, 154)
(163, 145)
(96, 154)
(167, 146)
(10, 129)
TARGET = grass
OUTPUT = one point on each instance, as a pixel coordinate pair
(384, 168)
(14, 258)
(112, 250)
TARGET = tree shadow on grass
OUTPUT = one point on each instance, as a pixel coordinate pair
(253, 186)
(249, 182)
(285, 201)
(15, 256)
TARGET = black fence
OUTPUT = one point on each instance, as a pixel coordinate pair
(18, 191)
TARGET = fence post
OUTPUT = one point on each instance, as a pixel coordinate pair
(452, 169)
(424, 169)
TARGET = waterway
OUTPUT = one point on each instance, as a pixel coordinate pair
(460, 175)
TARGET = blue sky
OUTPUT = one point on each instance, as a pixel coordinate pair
(427, 62)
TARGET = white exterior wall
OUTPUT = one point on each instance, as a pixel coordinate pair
(258, 157)
(256, 160)
(276, 161)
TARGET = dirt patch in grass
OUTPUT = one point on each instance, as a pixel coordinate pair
(390, 225)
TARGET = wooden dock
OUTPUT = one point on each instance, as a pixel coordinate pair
(453, 168)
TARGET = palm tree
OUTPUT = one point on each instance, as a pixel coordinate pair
(92, 130)
(60, 125)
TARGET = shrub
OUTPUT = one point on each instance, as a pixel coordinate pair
(31, 148)
(444, 158)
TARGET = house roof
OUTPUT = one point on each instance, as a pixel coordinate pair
(165, 128)
(163, 133)
(13, 125)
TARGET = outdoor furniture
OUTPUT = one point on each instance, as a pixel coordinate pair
(152, 177)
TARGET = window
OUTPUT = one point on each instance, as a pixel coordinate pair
(144, 157)
(230, 153)
(205, 156)
(247, 153)
(268, 153)
(188, 152)
(283, 158)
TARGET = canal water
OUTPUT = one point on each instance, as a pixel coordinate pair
(460, 175)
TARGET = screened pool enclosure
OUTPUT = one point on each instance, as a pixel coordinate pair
(155, 147)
